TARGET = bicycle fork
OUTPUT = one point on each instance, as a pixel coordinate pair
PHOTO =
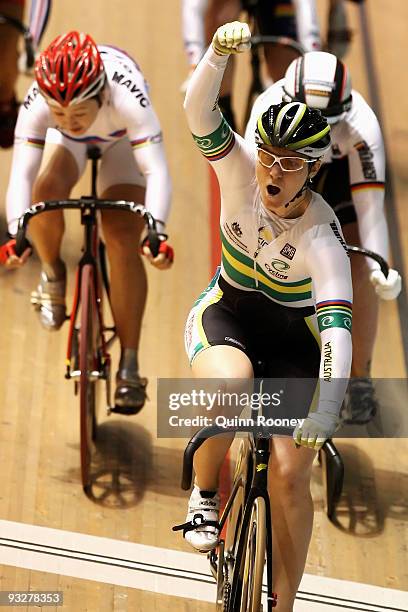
(259, 488)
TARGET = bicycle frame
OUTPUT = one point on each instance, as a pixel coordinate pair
(87, 342)
(259, 488)
(91, 257)
(259, 444)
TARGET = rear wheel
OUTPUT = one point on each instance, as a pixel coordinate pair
(88, 365)
(253, 559)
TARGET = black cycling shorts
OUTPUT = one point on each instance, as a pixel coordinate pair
(273, 17)
(276, 335)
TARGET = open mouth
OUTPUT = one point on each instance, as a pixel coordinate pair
(272, 190)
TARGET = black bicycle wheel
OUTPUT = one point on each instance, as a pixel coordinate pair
(253, 559)
(88, 365)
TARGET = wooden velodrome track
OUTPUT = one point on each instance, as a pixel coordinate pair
(39, 431)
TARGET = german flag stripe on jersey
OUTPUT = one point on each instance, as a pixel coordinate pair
(368, 185)
(218, 144)
(284, 10)
(141, 142)
(240, 269)
(334, 313)
(35, 142)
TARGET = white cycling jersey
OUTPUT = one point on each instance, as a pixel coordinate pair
(358, 136)
(294, 262)
(126, 113)
(193, 19)
(39, 14)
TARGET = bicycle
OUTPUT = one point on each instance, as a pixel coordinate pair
(237, 564)
(87, 359)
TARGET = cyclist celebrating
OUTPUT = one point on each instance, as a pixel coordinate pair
(352, 182)
(9, 34)
(83, 95)
(295, 19)
(283, 287)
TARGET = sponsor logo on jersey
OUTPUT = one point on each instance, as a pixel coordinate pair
(278, 266)
(265, 236)
(134, 89)
(327, 361)
(234, 239)
(236, 229)
(339, 236)
(31, 97)
(366, 159)
(229, 339)
(189, 332)
(207, 502)
(288, 251)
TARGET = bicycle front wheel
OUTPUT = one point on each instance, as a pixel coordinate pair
(89, 367)
(253, 559)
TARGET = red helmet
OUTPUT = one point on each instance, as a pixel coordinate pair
(70, 70)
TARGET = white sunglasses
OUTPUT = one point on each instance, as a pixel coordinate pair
(287, 164)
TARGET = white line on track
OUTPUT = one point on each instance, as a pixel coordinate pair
(165, 571)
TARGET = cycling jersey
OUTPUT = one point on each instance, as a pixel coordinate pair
(296, 263)
(126, 112)
(295, 19)
(39, 14)
(357, 137)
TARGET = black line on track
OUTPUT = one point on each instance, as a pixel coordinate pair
(162, 570)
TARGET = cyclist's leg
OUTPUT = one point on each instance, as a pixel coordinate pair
(8, 71)
(62, 166)
(64, 162)
(360, 403)
(292, 516)
(277, 19)
(365, 308)
(226, 363)
(120, 179)
(290, 467)
(230, 368)
(218, 13)
(339, 34)
(212, 338)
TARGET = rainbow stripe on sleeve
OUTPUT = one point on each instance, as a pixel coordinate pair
(334, 313)
(143, 142)
(218, 144)
(380, 185)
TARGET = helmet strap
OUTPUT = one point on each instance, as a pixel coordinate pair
(302, 190)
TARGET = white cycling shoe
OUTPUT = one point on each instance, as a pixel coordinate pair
(49, 301)
(201, 528)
